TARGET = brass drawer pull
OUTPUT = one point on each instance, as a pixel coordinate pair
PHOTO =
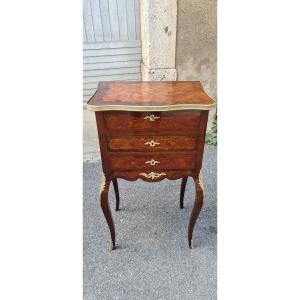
(152, 143)
(153, 175)
(151, 118)
(152, 162)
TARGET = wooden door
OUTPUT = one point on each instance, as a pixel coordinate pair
(111, 42)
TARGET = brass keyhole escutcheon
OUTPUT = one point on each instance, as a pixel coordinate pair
(151, 118)
(152, 143)
(152, 162)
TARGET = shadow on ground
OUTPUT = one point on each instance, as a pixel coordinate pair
(152, 260)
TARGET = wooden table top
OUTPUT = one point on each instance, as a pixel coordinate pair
(150, 96)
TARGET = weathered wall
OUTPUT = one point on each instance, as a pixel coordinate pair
(158, 34)
(196, 45)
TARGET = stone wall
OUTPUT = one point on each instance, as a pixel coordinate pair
(196, 45)
(158, 34)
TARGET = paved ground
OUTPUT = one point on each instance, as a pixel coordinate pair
(152, 260)
(90, 137)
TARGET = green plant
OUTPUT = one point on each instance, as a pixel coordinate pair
(212, 136)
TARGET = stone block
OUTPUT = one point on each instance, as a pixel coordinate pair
(158, 32)
(158, 74)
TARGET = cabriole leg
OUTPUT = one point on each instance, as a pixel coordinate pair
(182, 190)
(116, 188)
(197, 207)
(106, 209)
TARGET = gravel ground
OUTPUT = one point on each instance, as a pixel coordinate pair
(152, 259)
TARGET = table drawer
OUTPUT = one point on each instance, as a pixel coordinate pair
(151, 143)
(152, 162)
(152, 121)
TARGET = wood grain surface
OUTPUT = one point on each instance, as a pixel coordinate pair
(126, 122)
(144, 143)
(150, 93)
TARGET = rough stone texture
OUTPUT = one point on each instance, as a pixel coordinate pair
(158, 34)
(152, 259)
(196, 47)
(158, 74)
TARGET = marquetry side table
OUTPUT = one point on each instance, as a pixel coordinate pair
(151, 131)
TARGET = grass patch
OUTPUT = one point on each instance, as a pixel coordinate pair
(212, 136)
